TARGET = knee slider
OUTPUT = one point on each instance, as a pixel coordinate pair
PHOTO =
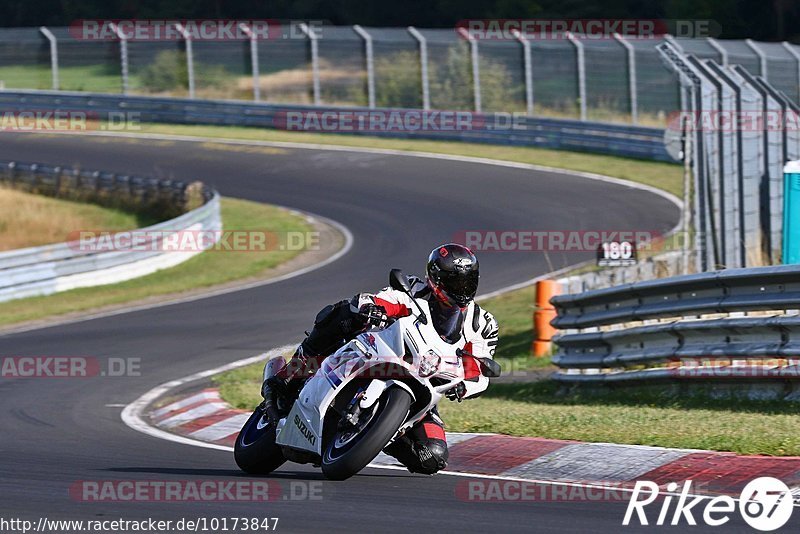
(432, 456)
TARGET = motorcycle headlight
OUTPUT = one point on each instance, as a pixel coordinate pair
(429, 363)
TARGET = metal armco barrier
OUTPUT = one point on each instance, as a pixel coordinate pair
(603, 138)
(684, 327)
(58, 267)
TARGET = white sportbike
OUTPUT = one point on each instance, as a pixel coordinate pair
(365, 395)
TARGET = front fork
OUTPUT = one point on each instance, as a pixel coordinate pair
(366, 398)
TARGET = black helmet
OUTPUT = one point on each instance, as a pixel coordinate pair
(453, 274)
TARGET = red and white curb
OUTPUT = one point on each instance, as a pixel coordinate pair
(204, 416)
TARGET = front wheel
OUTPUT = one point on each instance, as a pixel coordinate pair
(255, 451)
(349, 450)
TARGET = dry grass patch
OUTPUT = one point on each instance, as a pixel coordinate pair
(29, 220)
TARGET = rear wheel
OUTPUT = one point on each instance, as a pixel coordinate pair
(255, 450)
(352, 447)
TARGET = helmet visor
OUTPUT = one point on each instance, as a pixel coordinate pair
(459, 286)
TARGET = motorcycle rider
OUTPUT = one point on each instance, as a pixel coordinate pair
(451, 283)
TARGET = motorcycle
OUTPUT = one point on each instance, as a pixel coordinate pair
(363, 397)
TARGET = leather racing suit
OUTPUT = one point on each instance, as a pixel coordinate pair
(423, 449)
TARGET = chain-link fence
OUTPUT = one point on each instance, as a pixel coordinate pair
(615, 79)
(738, 129)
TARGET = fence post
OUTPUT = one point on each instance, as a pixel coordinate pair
(735, 186)
(253, 59)
(423, 61)
(723, 54)
(762, 57)
(689, 78)
(677, 46)
(123, 56)
(476, 74)
(312, 39)
(688, 164)
(189, 56)
(526, 54)
(53, 55)
(796, 55)
(370, 63)
(632, 82)
(581, 72)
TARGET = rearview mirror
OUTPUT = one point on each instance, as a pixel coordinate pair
(399, 281)
(490, 368)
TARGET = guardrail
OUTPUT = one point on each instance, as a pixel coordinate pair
(597, 137)
(740, 324)
(58, 267)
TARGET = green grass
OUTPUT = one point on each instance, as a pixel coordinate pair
(94, 78)
(204, 270)
(241, 387)
(637, 416)
(514, 314)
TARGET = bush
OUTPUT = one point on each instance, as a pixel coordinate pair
(166, 73)
(169, 72)
(398, 82)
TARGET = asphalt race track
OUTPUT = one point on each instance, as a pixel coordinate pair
(56, 432)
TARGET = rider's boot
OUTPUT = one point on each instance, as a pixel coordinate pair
(273, 387)
(423, 449)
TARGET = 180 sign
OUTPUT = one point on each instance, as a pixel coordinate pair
(616, 254)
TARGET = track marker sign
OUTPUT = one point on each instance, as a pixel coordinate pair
(616, 254)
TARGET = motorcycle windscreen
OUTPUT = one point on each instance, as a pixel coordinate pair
(388, 342)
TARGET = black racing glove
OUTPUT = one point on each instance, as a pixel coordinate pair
(374, 315)
(456, 393)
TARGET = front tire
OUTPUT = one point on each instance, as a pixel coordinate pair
(343, 458)
(255, 450)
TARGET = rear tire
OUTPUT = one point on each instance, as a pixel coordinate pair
(255, 450)
(343, 460)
